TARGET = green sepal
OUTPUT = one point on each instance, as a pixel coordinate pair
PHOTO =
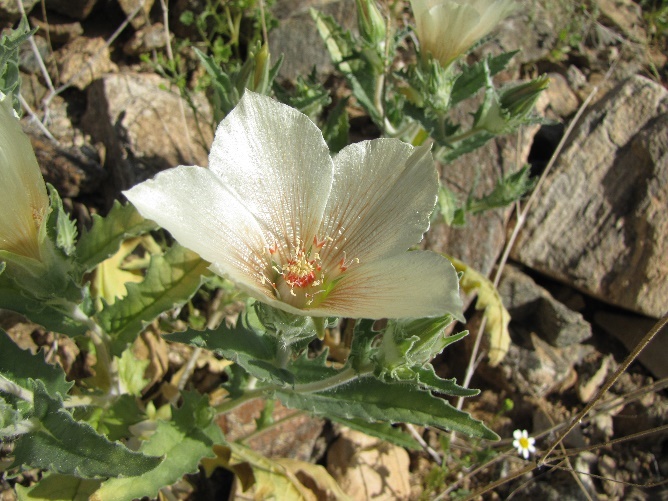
(64, 445)
(107, 233)
(171, 280)
(60, 225)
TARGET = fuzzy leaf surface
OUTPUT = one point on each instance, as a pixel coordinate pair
(371, 399)
(183, 442)
(58, 488)
(20, 366)
(64, 445)
(170, 281)
(105, 236)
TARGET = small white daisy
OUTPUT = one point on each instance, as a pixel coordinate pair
(524, 444)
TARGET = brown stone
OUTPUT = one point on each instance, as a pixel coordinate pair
(600, 223)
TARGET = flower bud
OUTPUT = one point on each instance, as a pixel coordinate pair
(370, 21)
(447, 29)
(511, 106)
(24, 202)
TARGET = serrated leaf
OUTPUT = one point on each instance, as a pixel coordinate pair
(10, 79)
(20, 366)
(12, 298)
(58, 488)
(181, 445)
(474, 77)
(384, 431)
(489, 300)
(427, 379)
(452, 151)
(371, 399)
(507, 190)
(249, 347)
(71, 447)
(131, 373)
(170, 281)
(105, 236)
(335, 130)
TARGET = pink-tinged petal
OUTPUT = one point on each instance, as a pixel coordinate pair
(275, 160)
(201, 214)
(24, 202)
(411, 284)
(382, 196)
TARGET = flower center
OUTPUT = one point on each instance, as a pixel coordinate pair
(301, 271)
(524, 443)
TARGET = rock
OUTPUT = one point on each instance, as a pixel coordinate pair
(73, 171)
(76, 9)
(294, 438)
(626, 16)
(560, 99)
(146, 39)
(141, 19)
(83, 60)
(630, 329)
(10, 13)
(28, 61)
(480, 242)
(533, 309)
(600, 222)
(297, 36)
(369, 468)
(60, 29)
(142, 128)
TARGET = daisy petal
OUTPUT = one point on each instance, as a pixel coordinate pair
(382, 196)
(275, 160)
(411, 284)
(202, 215)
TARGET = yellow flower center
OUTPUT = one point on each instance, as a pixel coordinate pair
(524, 442)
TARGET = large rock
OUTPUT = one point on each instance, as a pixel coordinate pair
(297, 37)
(77, 9)
(83, 60)
(142, 128)
(600, 223)
(10, 13)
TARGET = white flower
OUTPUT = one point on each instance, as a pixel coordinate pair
(448, 28)
(24, 202)
(301, 231)
(524, 444)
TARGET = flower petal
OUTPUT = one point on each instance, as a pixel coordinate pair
(412, 284)
(275, 160)
(201, 214)
(23, 199)
(382, 196)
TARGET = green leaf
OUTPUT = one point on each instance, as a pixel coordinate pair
(67, 446)
(170, 281)
(131, 372)
(183, 442)
(114, 420)
(384, 431)
(370, 399)
(474, 77)
(245, 344)
(58, 488)
(60, 224)
(41, 312)
(427, 379)
(508, 189)
(21, 366)
(10, 77)
(335, 130)
(452, 151)
(105, 236)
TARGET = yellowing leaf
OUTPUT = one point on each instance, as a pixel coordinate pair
(110, 277)
(264, 478)
(495, 313)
